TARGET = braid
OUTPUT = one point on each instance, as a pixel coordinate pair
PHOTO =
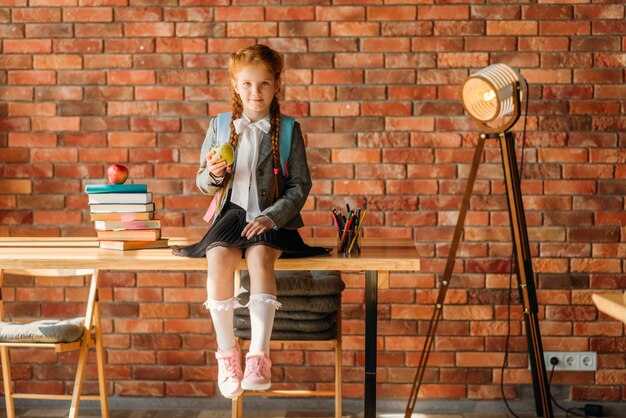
(275, 134)
(237, 107)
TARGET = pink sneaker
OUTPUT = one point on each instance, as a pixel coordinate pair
(258, 372)
(229, 375)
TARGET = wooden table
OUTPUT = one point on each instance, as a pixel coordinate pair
(378, 258)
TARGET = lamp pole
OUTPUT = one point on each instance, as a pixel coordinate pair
(523, 269)
(525, 277)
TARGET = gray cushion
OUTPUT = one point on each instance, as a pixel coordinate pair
(43, 331)
(293, 335)
(326, 304)
(243, 322)
(294, 315)
(303, 282)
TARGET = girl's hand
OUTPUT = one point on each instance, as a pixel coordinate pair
(258, 226)
(215, 164)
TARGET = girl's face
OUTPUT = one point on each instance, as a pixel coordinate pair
(256, 88)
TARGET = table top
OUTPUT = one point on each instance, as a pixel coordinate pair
(83, 252)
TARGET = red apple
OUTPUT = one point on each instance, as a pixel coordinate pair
(117, 174)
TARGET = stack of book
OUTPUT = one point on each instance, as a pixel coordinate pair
(124, 216)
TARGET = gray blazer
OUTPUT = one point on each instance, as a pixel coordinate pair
(294, 188)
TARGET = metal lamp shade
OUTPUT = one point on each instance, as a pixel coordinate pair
(489, 93)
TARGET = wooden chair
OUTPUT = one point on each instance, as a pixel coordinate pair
(332, 344)
(91, 337)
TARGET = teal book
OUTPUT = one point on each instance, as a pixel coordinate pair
(116, 188)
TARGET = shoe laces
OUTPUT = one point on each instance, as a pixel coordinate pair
(255, 365)
(228, 367)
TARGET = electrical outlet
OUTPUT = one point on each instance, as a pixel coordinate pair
(572, 360)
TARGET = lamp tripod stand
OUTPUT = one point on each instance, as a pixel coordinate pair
(523, 269)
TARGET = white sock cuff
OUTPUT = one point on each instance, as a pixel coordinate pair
(264, 298)
(220, 305)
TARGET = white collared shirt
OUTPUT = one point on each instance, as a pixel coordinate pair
(245, 191)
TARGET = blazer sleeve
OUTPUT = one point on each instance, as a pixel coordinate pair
(206, 182)
(298, 184)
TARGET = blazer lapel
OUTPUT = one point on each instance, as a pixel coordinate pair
(265, 151)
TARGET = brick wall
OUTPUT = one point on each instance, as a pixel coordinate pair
(86, 83)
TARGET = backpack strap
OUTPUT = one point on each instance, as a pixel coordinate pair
(223, 127)
(284, 138)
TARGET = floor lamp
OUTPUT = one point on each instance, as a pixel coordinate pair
(492, 97)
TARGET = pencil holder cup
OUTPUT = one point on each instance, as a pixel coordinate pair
(348, 242)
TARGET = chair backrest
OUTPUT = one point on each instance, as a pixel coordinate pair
(93, 288)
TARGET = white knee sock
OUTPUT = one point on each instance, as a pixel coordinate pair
(262, 308)
(222, 314)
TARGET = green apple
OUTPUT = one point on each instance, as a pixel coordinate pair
(225, 152)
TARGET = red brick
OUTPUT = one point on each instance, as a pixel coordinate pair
(32, 77)
(138, 45)
(28, 170)
(411, 187)
(96, 155)
(138, 325)
(39, 14)
(55, 124)
(395, 13)
(82, 77)
(75, 139)
(155, 124)
(186, 14)
(446, 13)
(15, 93)
(595, 12)
(354, 29)
(130, 388)
(409, 123)
(131, 77)
(356, 156)
(165, 45)
(514, 27)
(142, 14)
(290, 13)
(160, 29)
(200, 29)
(336, 13)
(263, 29)
(565, 28)
(87, 14)
(540, 11)
(102, 30)
(132, 108)
(25, 46)
(358, 187)
(32, 139)
(131, 139)
(337, 76)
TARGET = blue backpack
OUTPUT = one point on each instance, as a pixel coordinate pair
(284, 138)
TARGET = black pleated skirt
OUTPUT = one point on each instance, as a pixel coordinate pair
(226, 232)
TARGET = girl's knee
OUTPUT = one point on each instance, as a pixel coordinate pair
(263, 254)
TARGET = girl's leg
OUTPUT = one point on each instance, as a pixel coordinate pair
(221, 264)
(262, 306)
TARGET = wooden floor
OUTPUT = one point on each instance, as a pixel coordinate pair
(294, 408)
(54, 413)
